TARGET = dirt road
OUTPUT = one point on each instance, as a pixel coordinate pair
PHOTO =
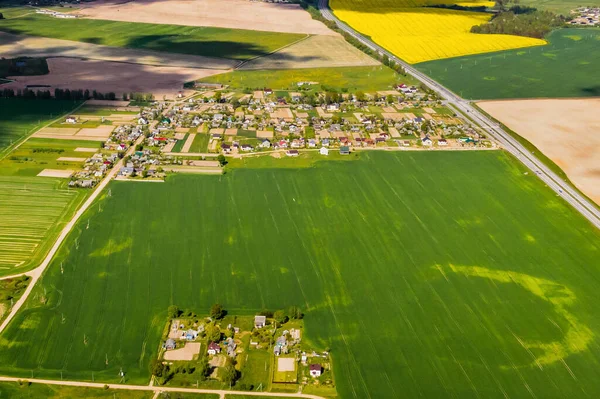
(219, 392)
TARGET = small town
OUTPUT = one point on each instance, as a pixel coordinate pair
(188, 135)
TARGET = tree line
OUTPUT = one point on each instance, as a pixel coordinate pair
(75, 95)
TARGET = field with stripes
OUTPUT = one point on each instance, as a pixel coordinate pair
(32, 212)
(427, 274)
(416, 32)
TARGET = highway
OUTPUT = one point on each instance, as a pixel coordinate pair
(551, 179)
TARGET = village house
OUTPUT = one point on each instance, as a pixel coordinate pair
(246, 147)
(442, 142)
(345, 150)
(292, 153)
(260, 321)
(71, 119)
(169, 344)
(324, 151)
(426, 140)
(315, 370)
(213, 348)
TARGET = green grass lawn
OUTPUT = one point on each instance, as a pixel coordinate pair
(352, 79)
(37, 154)
(21, 117)
(15, 391)
(566, 67)
(236, 44)
(448, 274)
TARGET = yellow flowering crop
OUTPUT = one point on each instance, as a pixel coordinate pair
(416, 33)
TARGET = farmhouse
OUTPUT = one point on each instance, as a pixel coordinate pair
(315, 370)
(213, 348)
(426, 141)
(292, 153)
(324, 151)
(169, 344)
(260, 321)
(71, 119)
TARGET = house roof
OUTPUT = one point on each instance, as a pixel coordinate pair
(260, 319)
(213, 345)
(315, 367)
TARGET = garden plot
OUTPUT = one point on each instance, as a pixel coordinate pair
(60, 173)
(31, 212)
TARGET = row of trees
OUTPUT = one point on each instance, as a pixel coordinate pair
(76, 95)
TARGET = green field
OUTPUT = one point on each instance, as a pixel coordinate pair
(349, 78)
(15, 391)
(236, 44)
(32, 212)
(200, 143)
(21, 117)
(37, 154)
(566, 67)
(448, 274)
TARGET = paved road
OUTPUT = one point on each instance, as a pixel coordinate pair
(157, 390)
(552, 180)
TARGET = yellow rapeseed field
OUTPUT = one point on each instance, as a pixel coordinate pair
(416, 33)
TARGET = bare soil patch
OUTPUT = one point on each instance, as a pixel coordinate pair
(63, 174)
(231, 132)
(314, 52)
(284, 113)
(85, 149)
(264, 134)
(71, 159)
(186, 353)
(70, 73)
(236, 14)
(103, 131)
(286, 364)
(565, 130)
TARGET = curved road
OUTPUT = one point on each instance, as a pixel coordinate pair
(552, 180)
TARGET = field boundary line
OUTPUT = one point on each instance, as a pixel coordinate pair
(241, 64)
(221, 392)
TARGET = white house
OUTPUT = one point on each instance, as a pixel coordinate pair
(315, 370)
(442, 142)
(324, 151)
(426, 141)
(142, 121)
(71, 119)
(265, 144)
(260, 321)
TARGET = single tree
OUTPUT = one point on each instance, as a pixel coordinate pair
(216, 311)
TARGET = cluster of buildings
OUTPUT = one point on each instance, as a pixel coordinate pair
(586, 16)
(55, 14)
